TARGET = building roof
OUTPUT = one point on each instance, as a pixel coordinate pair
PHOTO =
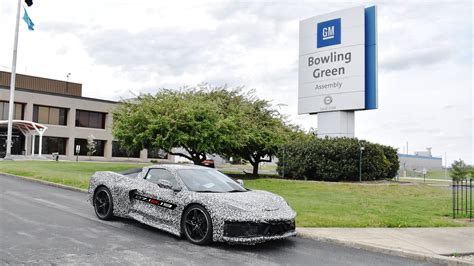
(39, 84)
(61, 95)
(419, 156)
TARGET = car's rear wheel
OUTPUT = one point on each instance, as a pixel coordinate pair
(197, 225)
(103, 203)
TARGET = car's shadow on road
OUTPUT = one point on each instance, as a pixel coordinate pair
(165, 236)
(260, 247)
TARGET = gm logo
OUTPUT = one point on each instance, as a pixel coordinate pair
(329, 33)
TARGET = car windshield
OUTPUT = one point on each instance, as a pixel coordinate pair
(208, 180)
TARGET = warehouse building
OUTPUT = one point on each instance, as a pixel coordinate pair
(52, 116)
(420, 161)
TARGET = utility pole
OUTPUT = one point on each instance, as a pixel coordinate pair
(12, 86)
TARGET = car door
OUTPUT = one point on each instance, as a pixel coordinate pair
(154, 202)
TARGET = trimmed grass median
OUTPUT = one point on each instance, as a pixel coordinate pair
(74, 174)
(318, 204)
(324, 204)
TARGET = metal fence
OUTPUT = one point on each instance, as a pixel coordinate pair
(462, 199)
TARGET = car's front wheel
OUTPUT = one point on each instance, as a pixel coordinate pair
(103, 203)
(197, 225)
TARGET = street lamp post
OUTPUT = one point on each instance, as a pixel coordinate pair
(361, 148)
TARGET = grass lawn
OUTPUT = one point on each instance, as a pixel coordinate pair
(323, 204)
(427, 180)
(432, 174)
(74, 174)
(318, 204)
(249, 167)
(438, 174)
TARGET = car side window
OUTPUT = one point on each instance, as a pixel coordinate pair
(155, 174)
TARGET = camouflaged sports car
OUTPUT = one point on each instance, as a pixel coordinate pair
(201, 203)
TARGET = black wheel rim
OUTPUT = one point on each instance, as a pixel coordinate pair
(102, 203)
(196, 225)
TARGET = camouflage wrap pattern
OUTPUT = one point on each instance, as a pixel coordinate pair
(132, 197)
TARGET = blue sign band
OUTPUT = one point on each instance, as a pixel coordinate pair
(370, 59)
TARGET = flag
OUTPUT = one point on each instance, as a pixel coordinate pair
(28, 21)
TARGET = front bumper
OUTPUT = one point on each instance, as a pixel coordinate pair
(257, 232)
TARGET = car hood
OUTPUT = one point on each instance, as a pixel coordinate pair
(254, 201)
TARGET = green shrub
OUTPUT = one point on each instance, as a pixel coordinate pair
(460, 170)
(336, 159)
(392, 157)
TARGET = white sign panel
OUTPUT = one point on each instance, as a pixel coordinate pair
(332, 62)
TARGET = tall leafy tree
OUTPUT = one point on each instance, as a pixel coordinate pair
(189, 119)
(261, 130)
(202, 121)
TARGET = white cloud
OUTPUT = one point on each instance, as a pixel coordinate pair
(111, 47)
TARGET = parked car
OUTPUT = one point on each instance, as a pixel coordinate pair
(200, 203)
(208, 163)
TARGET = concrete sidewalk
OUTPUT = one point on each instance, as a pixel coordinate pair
(432, 244)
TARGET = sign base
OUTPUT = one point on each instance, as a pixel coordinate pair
(336, 124)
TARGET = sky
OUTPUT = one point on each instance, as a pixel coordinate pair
(118, 49)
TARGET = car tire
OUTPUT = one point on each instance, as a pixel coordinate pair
(197, 225)
(103, 204)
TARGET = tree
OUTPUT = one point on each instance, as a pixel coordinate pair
(261, 138)
(459, 170)
(91, 145)
(202, 121)
(261, 129)
(188, 118)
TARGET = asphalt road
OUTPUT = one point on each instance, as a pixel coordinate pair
(48, 225)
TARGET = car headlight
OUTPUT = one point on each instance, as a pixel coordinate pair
(286, 202)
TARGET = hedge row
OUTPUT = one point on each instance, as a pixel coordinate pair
(336, 159)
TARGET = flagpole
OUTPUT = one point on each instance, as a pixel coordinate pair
(12, 86)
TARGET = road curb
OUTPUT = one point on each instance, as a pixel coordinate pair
(48, 183)
(389, 251)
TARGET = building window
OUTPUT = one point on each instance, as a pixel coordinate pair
(99, 147)
(51, 144)
(49, 115)
(4, 111)
(90, 119)
(120, 151)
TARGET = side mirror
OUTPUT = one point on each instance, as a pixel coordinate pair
(166, 184)
(240, 182)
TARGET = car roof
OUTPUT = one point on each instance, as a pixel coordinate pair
(178, 166)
